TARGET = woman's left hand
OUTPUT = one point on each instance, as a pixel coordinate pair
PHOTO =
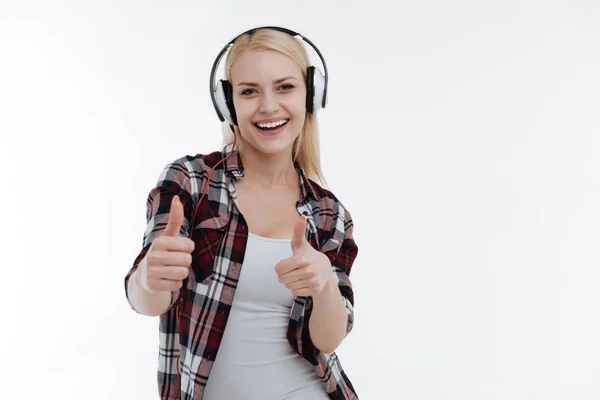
(307, 271)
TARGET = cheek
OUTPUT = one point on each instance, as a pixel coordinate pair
(298, 105)
(243, 110)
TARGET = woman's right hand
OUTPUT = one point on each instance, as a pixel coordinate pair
(167, 262)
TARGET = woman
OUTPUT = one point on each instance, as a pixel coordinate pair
(262, 229)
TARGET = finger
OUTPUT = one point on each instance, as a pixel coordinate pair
(174, 273)
(298, 274)
(174, 243)
(168, 258)
(301, 284)
(177, 258)
(164, 284)
(299, 238)
(286, 265)
(175, 218)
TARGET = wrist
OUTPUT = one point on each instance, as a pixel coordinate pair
(328, 289)
(141, 277)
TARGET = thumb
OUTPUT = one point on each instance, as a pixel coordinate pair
(175, 218)
(299, 229)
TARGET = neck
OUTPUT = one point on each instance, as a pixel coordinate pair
(269, 170)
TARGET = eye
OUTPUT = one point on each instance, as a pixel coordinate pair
(247, 92)
(286, 86)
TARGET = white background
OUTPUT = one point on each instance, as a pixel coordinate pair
(463, 136)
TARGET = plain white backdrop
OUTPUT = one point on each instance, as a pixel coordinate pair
(463, 136)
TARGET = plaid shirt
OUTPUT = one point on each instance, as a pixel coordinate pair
(220, 235)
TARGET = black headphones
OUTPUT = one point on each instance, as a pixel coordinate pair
(221, 92)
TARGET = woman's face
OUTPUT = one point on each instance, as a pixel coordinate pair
(269, 94)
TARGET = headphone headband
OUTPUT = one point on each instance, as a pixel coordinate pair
(213, 84)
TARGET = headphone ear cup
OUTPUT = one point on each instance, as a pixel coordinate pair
(310, 89)
(320, 98)
(224, 100)
(228, 91)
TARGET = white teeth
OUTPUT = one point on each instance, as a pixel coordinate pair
(273, 124)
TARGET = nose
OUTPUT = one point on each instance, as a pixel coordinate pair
(268, 103)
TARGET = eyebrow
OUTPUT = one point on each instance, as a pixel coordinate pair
(252, 84)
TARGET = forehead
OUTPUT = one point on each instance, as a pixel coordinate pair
(263, 66)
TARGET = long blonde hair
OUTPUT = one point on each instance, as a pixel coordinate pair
(306, 149)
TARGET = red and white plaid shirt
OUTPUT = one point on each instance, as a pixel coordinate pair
(220, 236)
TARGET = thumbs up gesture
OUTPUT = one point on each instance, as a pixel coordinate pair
(307, 271)
(168, 260)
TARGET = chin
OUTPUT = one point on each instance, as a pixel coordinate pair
(277, 143)
(273, 148)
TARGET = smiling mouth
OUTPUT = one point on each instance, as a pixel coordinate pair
(272, 126)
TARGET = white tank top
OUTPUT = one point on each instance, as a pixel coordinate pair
(255, 360)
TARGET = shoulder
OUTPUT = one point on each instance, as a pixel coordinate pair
(334, 219)
(185, 175)
(327, 200)
(189, 167)
(198, 162)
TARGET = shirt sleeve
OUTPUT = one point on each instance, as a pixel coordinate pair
(174, 180)
(341, 263)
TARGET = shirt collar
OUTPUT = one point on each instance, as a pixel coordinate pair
(234, 167)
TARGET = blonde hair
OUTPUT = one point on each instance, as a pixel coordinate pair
(306, 149)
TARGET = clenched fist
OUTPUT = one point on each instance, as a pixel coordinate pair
(168, 260)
